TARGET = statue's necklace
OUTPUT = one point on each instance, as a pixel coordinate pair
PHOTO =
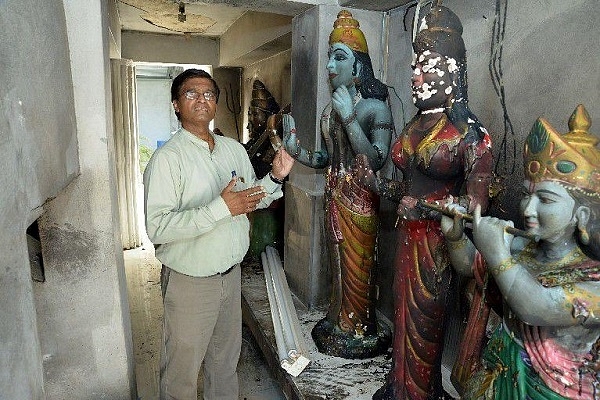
(528, 257)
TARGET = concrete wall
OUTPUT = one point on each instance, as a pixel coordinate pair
(254, 37)
(229, 109)
(178, 49)
(68, 337)
(114, 30)
(38, 157)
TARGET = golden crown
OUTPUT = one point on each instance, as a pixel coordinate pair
(346, 30)
(572, 158)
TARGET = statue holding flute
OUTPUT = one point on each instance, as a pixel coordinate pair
(548, 344)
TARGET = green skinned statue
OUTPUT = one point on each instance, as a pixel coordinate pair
(547, 346)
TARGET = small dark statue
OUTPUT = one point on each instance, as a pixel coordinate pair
(262, 106)
(266, 225)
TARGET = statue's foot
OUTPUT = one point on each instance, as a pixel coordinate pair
(386, 392)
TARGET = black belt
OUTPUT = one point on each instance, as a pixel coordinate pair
(224, 272)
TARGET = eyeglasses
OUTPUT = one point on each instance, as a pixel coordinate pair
(193, 95)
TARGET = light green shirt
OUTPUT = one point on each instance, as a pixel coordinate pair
(186, 218)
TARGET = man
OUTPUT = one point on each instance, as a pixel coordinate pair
(198, 188)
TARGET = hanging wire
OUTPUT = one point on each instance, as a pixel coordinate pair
(232, 99)
(508, 143)
(411, 5)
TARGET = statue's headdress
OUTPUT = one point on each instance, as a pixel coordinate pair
(262, 98)
(440, 31)
(346, 30)
(572, 158)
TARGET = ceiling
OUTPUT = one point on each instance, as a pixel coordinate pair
(204, 18)
(214, 17)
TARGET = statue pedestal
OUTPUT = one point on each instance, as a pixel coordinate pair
(331, 340)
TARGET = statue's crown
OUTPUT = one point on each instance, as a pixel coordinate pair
(262, 98)
(572, 158)
(440, 31)
(347, 30)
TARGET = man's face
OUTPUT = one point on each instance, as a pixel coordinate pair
(197, 111)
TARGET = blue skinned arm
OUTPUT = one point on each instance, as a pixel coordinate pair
(314, 159)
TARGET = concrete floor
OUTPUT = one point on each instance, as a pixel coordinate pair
(143, 282)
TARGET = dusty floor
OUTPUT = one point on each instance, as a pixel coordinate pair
(143, 272)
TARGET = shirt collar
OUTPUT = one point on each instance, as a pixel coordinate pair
(196, 139)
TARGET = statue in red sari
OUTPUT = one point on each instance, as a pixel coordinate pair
(444, 155)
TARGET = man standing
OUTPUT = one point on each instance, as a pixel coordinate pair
(198, 188)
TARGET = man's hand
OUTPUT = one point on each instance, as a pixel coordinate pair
(282, 164)
(244, 201)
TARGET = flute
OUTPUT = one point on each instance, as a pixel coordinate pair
(469, 218)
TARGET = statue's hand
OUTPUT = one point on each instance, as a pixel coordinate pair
(341, 101)
(364, 173)
(290, 140)
(453, 228)
(490, 237)
(408, 209)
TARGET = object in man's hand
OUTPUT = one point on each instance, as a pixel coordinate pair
(274, 126)
(276, 141)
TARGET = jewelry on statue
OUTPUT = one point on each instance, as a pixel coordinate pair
(350, 119)
(584, 236)
(296, 153)
(309, 155)
(457, 244)
(504, 266)
(387, 127)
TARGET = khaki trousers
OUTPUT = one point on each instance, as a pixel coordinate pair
(202, 322)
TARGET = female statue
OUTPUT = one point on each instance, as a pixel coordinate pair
(356, 122)
(444, 155)
(547, 346)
